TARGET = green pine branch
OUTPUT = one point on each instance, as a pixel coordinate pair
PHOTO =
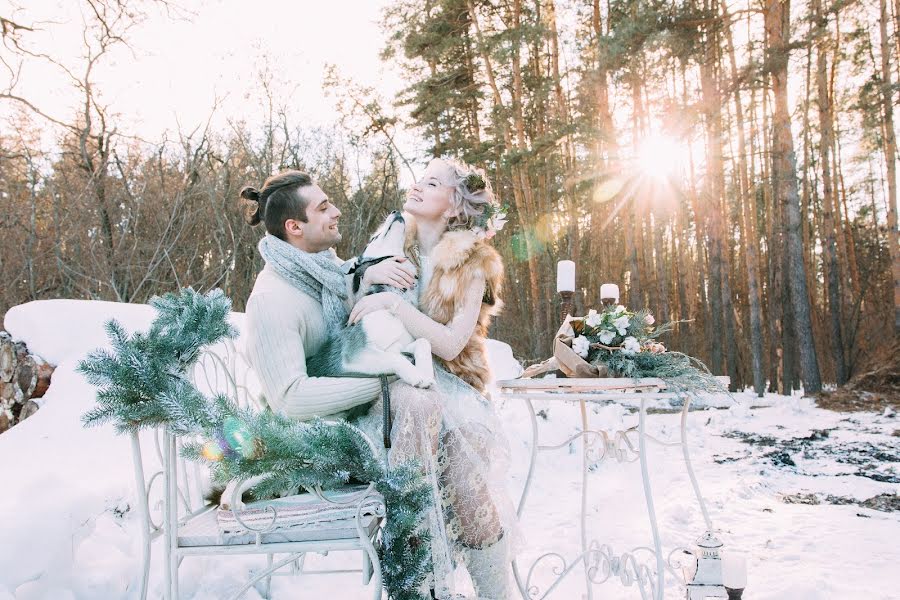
(143, 382)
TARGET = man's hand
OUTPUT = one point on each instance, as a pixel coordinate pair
(371, 303)
(396, 271)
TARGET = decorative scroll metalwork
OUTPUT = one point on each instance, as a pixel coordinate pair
(599, 560)
(221, 370)
(604, 564)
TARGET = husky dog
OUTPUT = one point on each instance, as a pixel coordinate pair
(378, 344)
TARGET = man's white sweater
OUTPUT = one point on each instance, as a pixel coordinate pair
(283, 327)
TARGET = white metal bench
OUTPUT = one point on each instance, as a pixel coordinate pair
(188, 525)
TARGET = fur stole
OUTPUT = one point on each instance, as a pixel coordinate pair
(461, 261)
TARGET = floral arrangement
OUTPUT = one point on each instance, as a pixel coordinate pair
(625, 343)
(616, 329)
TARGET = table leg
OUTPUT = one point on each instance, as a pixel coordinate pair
(520, 583)
(687, 462)
(585, 443)
(651, 511)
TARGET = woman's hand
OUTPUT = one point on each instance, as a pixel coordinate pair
(396, 271)
(371, 303)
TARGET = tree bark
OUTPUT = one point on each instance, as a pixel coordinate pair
(748, 221)
(605, 161)
(890, 158)
(567, 144)
(712, 217)
(630, 207)
(829, 242)
(777, 22)
(662, 284)
(520, 185)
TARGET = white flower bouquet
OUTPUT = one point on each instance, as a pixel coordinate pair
(616, 329)
(617, 342)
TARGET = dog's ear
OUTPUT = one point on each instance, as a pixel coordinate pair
(349, 266)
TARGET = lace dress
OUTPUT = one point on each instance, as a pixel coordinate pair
(456, 435)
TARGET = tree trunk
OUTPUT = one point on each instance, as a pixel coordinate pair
(607, 133)
(662, 306)
(633, 247)
(634, 272)
(605, 161)
(829, 242)
(520, 185)
(568, 147)
(748, 222)
(788, 331)
(702, 296)
(777, 21)
(774, 248)
(712, 218)
(890, 158)
(473, 120)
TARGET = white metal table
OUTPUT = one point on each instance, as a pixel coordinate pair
(599, 560)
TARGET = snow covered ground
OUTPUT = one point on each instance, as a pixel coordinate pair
(786, 483)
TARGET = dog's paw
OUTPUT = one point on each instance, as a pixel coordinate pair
(427, 382)
(419, 381)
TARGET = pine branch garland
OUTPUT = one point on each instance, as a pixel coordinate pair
(142, 382)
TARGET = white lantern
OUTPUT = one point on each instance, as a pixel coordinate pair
(707, 581)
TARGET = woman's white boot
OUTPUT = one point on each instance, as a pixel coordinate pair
(489, 569)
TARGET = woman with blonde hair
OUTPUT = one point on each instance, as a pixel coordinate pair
(452, 428)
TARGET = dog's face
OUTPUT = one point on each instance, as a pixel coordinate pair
(386, 242)
(388, 239)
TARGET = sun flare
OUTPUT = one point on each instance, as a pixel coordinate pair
(658, 156)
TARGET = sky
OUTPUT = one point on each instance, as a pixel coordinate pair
(178, 68)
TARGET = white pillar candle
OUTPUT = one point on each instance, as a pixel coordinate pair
(734, 570)
(609, 290)
(565, 276)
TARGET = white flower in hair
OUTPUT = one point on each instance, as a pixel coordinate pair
(497, 221)
(490, 221)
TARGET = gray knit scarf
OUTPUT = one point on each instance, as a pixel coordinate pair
(316, 275)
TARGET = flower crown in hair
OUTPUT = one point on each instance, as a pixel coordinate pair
(490, 221)
(493, 217)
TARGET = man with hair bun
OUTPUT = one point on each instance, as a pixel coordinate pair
(300, 294)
